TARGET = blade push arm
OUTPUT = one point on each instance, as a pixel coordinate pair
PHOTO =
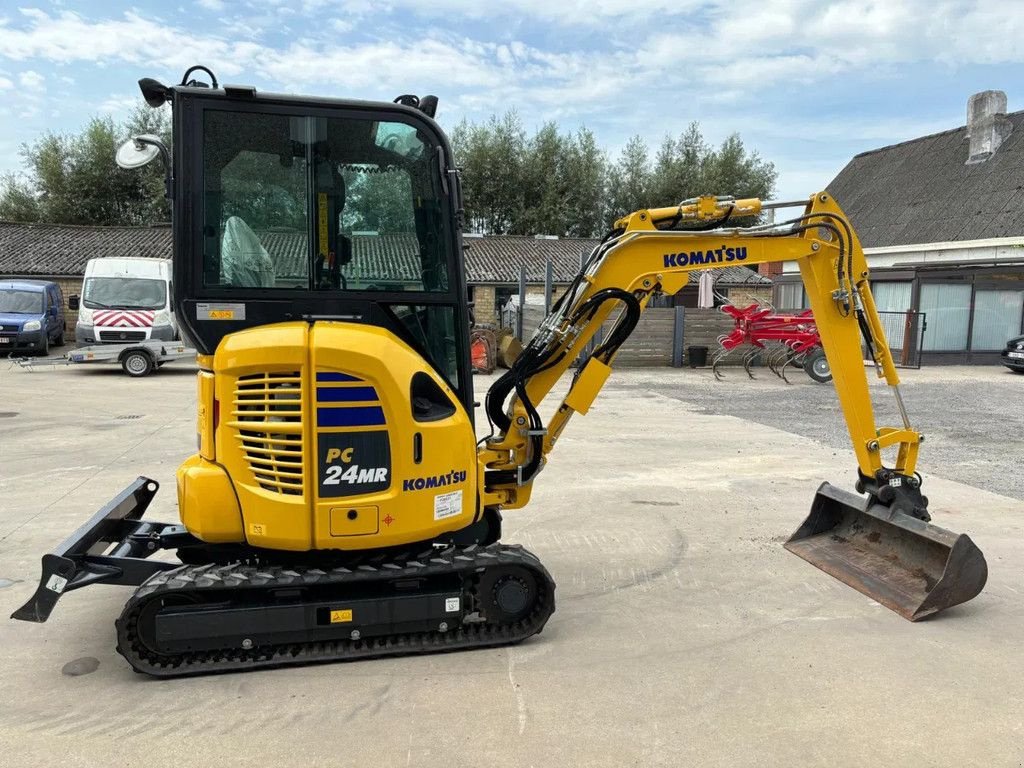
(646, 255)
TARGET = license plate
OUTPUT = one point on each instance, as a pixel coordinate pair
(6, 340)
(1018, 355)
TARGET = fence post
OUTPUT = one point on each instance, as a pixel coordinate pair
(678, 326)
(522, 302)
(549, 279)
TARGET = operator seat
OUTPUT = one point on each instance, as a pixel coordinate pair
(244, 261)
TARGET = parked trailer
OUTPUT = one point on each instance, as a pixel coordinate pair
(136, 360)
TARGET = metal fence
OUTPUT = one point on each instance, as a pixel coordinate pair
(904, 331)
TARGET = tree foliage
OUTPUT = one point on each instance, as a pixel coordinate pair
(564, 184)
(549, 182)
(72, 179)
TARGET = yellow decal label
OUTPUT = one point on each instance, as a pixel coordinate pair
(341, 617)
(222, 314)
(257, 529)
(322, 221)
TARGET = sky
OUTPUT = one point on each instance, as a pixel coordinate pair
(806, 83)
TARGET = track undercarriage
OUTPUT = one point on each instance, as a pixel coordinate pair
(246, 609)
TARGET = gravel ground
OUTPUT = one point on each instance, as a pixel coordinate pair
(972, 417)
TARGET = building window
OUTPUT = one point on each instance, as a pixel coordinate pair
(502, 293)
(997, 317)
(947, 310)
(792, 296)
(892, 300)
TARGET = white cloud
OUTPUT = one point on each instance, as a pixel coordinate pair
(118, 104)
(625, 66)
(742, 47)
(31, 80)
(568, 12)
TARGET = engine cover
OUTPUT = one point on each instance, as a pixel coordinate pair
(334, 435)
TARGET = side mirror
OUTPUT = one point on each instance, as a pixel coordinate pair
(73, 302)
(140, 150)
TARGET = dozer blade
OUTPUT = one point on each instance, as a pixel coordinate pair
(910, 566)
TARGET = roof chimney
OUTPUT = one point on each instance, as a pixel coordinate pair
(987, 125)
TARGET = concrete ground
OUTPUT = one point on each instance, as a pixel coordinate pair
(684, 635)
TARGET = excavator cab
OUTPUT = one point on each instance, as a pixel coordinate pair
(293, 209)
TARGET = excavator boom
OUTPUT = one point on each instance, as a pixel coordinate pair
(881, 544)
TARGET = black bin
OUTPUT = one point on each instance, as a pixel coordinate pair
(698, 356)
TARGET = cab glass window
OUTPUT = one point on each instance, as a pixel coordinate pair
(324, 204)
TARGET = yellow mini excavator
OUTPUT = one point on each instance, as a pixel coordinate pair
(339, 505)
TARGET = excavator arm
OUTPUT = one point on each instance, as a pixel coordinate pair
(881, 544)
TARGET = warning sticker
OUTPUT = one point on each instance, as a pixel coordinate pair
(341, 617)
(451, 604)
(447, 505)
(56, 583)
(220, 311)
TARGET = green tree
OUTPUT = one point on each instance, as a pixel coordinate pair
(492, 160)
(542, 193)
(378, 200)
(72, 179)
(586, 178)
(548, 184)
(688, 167)
(629, 181)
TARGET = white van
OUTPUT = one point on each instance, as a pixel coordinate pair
(126, 299)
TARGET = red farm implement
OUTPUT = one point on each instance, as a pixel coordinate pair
(778, 340)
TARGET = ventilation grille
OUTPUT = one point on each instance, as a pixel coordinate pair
(268, 415)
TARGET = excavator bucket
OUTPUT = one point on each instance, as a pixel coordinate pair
(906, 564)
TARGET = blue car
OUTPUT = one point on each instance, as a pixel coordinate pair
(31, 316)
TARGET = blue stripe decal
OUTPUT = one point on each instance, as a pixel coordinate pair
(345, 394)
(365, 416)
(334, 376)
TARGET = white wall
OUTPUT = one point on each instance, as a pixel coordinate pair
(995, 249)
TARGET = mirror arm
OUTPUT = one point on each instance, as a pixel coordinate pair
(165, 158)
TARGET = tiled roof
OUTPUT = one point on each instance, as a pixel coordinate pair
(922, 191)
(63, 250)
(496, 259)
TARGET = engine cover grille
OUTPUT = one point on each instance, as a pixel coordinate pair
(268, 416)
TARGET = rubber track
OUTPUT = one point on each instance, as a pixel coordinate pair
(216, 582)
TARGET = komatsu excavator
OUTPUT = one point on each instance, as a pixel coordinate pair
(339, 505)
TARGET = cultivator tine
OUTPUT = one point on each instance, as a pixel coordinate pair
(748, 359)
(791, 355)
(719, 358)
(773, 360)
